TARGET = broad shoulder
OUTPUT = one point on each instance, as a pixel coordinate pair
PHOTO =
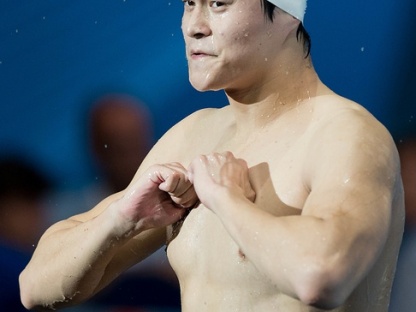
(348, 139)
(338, 117)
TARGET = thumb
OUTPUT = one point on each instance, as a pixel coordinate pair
(190, 174)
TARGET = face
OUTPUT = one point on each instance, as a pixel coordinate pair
(229, 43)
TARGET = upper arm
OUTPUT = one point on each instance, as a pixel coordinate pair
(353, 173)
(355, 156)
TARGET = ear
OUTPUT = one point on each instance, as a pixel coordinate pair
(285, 23)
(288, 22)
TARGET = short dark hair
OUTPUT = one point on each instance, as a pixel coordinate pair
(301, 33)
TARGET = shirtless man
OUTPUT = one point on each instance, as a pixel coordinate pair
(290, 196)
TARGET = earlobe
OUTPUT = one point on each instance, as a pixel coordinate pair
(293, 24)
(287, 22)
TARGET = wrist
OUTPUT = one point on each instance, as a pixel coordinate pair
(223, 197)
(121, 225)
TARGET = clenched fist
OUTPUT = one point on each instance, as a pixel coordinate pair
(158, 198)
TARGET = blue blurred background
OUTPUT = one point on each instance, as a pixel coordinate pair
(55, 56)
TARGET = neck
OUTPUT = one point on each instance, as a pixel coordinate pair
(287, 87)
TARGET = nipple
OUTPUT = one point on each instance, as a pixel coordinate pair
(241, 254)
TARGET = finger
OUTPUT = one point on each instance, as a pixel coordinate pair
(176, 167)
(171, 182)
(170, 174)
(187, 200)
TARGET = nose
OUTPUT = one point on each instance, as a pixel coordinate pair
(195, 24)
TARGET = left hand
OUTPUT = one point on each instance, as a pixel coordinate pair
(210, 172)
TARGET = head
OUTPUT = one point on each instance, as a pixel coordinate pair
(121, 134)
(231, 45)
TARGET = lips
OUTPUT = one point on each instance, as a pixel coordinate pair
(199, 53)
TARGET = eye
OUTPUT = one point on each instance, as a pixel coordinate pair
(188, 3)
(216, 4)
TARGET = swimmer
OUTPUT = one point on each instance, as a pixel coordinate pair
(289, 198)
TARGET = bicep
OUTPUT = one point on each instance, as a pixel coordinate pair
(352, 170)
(352, 185)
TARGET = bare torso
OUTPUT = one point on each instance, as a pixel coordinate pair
(214, 274)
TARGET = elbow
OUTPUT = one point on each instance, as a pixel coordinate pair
(322, 288)
(326, 299)
(30, 304)
(26, 295)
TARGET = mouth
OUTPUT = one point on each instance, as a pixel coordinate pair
(197, 54)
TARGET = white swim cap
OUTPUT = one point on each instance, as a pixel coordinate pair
(296, 8)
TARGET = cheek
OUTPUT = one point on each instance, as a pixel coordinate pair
(249, 36)
(244, 47)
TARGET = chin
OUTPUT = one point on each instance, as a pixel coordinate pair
(204, 84)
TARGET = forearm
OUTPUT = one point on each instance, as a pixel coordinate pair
(78, 257)
(69, 262)
(306, 257)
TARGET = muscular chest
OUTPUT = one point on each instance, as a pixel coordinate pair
(204, 248)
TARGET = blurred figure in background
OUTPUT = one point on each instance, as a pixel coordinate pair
(403, 298)
(22, 191)
(119, 133)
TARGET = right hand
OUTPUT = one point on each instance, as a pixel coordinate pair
(158, 198)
